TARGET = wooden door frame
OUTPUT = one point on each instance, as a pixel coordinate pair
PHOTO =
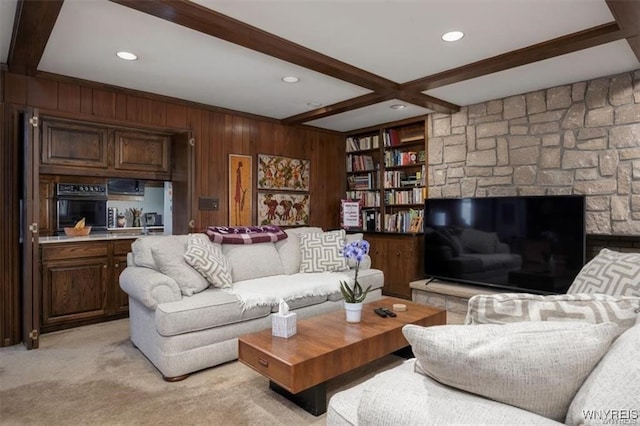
(183, 183)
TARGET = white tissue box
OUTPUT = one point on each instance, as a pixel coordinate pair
(283, 325)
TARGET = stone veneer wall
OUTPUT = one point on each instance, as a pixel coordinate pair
(580, 138)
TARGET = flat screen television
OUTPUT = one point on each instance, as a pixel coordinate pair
(524, 244)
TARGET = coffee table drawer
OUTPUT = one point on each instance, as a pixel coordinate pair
(268, 366)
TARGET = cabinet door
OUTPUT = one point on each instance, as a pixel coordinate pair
(73, 290)
(47, 220)
(138, 151)
(71, 144)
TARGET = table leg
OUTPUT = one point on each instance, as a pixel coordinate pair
(313, 400)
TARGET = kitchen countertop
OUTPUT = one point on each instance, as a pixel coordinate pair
(128, 234)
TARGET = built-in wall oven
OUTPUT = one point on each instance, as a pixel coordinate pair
(78, 200)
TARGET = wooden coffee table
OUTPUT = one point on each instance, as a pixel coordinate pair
(326, 346)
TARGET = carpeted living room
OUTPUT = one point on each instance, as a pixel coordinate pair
(307, 213)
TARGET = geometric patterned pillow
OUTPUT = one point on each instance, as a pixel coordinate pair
(504, 308)
(322, 252)
(208, 259)
(610, 272)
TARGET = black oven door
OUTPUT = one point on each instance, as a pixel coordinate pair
(71, 210)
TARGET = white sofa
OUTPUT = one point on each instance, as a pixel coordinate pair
(519, 359)
(182, 334)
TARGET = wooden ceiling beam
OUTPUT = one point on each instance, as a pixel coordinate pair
(426, 101)
(627, 16)
(337, 108)
(207, 21)
(32, 28)
(549, 49)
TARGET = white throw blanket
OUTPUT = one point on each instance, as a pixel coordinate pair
(270, 290)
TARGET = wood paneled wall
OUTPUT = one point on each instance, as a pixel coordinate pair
(217, 132)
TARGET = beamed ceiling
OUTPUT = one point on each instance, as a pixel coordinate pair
(354, 58)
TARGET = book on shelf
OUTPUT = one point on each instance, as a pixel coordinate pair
(355, 143)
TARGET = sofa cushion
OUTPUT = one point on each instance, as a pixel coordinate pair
(141, 248)
(207, 258)
(253, 260)
(613, 385)
(399, 396)
(610, 272)
(504, 308)
(537, 366)
(210, 308)
(170, 261)
(289, 248)
(322, 252)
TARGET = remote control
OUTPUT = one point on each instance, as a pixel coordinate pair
(381, 312)
(388, 312)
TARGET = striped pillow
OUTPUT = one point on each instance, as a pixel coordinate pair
(506, 308)
(208, 259)
(610, 272)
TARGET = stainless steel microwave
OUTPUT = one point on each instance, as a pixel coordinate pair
(126, 187)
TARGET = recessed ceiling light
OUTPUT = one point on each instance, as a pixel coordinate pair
(127, 56)
(397, 106)
(452, 36)
(314, 104)
(290, 79)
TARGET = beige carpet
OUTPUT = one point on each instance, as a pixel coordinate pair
(94, 376)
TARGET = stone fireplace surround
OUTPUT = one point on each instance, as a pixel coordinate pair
(579, 138)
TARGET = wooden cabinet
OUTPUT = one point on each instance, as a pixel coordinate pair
(400, 257)
(142, 151)
(80, 283)
(66, 143)
(386, 170)
(47, 220)
(77, 148)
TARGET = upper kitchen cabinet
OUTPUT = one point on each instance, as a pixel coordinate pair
(69, 144)
(142, 151)
(79, 148)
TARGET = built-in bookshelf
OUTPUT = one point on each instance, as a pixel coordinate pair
(386, 171)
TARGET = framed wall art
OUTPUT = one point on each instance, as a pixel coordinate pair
(282, 173)
(240, 190)
(283, 209)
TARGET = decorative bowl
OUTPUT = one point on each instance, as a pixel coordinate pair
(77, 232)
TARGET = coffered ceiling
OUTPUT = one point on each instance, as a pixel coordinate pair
(354, 58)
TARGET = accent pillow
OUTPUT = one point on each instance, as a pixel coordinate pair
(207, 258)
(610, 272)
(141, 248)
(614, 384)
(505, 308)
(170, 261)
(289, 248)
(536, 366)
(322, 252)
(477, 241)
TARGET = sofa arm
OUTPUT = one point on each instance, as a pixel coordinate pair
(149, 287)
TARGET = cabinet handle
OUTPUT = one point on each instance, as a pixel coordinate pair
(104, 266)
(117, 265)
(398, 254)
(192, 223)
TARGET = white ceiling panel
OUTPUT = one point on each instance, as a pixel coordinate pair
(369, 116)
(180, 62)
(7, 14)
(604, 60)
(400, 39)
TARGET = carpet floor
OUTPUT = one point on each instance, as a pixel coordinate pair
(93, 375)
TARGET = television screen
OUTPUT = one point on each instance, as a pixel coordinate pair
(531, 244)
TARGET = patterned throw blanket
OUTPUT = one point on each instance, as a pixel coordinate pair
(245, 234)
